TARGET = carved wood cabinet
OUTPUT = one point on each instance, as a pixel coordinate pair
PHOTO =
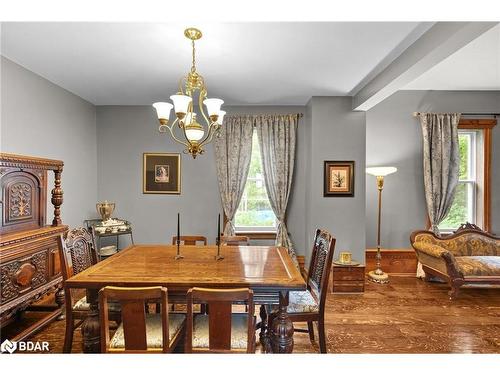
(29, 252)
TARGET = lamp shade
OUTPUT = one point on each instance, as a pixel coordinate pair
(163, 110)
(181, 103)
(381, 171)
(194, 132)
(213, 106)
(221, 117)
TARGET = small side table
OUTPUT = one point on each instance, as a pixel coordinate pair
(92, 223)
(348, 279)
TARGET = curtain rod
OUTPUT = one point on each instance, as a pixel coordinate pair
(415, 114)
(300, 115)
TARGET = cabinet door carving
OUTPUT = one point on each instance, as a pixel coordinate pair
(22, 200)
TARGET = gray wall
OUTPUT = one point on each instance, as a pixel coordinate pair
(336, 133)
(125, 132)
(393, 137)
(39, 118)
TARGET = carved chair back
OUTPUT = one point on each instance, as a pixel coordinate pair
(133, 313)
(220, 302)
(190, 240)
(78, 252)
(235, 240)
(321, 265)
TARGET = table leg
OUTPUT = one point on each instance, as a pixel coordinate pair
(282, 328)
(264, 330)
(91, 327)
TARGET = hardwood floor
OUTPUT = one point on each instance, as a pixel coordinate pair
(406, 316)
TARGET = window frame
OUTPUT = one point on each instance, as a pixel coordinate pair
(470, 181)
(486, 126)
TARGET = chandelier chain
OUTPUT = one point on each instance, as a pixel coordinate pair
(193, 67)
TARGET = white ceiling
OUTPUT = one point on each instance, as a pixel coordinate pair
(474, 67)
(243, 63)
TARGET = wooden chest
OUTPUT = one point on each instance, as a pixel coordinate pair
(348, 279)
(29, 250)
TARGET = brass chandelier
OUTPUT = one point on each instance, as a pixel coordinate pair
(192, 134)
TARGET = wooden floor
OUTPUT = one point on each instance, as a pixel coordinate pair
(405, 316)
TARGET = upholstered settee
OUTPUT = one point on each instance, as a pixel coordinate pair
(467, 257)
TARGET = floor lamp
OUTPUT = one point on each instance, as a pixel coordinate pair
(378, 275)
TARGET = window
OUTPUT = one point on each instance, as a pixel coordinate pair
(254, 213)
(464, 207)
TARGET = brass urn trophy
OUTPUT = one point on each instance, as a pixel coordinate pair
(105, 209)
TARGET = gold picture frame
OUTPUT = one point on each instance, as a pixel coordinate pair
(161, 173)
(338, 179)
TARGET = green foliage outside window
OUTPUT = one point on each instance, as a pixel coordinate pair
(254, 209)
(459, 210)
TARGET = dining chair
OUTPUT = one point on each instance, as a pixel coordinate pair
(221, 330)
(235, 240)
(309, 305)
(77, 253)
(139, 332)
(190, 240)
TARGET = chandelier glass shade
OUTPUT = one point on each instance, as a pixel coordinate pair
(186, 128)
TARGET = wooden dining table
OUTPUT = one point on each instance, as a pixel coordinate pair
(268, 270)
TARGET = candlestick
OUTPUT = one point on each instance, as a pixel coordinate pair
(218, 256)
(178, 255)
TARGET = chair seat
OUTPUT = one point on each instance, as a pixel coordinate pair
(239, 331)
(83, 305)
(154, 335)
(300, 302)
(479, 265)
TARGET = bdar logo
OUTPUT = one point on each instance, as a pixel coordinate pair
(8, 346)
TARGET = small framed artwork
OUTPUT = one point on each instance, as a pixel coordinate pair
(339, 179)
(161, 173)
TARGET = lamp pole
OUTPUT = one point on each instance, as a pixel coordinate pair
(378, 275)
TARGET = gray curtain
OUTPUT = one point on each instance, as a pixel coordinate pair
(233, 150)
(277, 138)
(441, 163)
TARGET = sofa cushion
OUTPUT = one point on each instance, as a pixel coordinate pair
(479, 265)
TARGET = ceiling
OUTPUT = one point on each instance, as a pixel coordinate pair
(474, 67)
(243, 63)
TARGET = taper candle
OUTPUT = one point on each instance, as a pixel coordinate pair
(178, 255)
(218, 231)
(178, 228)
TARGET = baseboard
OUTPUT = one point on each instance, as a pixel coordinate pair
(399, 262)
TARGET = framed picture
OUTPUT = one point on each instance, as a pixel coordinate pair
(339, 179)
(161, 173)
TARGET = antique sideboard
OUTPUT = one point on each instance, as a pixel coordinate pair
(29, 252)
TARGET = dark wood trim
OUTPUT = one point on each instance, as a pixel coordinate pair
(487, 139)
(477, 123)
(400, 262)
(258, 235)
(486, 125)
